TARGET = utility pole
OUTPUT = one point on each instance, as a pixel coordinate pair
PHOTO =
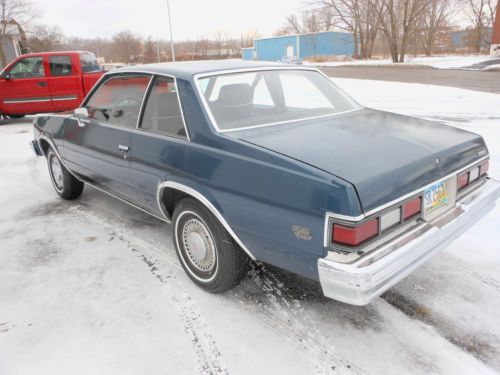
(171, 36)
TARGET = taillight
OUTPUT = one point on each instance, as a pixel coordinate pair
(463, 180)
(485, 167)
(412, 208)
(354, 236)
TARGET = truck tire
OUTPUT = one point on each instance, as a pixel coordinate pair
(205, 249)
(65, 184)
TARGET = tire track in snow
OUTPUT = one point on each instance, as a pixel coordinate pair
(282, 311)
(209, 358)
(295, 330)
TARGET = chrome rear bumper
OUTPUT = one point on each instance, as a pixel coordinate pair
(360, 281)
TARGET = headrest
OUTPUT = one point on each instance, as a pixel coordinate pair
(236, 94)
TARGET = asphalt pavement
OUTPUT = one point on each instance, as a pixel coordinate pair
(485, 81)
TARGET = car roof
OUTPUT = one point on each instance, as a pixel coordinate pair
(187, 69)
(55, 53)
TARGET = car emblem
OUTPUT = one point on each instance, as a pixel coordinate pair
(437, 161)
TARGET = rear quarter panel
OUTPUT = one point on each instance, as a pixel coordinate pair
(275, 205)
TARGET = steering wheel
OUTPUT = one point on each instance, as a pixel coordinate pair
(121, 114)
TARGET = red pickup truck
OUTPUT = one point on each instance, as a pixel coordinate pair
(47, 82)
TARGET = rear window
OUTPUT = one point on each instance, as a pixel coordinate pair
(89, 63)
(260, 98)
(60, 65)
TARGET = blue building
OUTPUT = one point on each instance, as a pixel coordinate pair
(329, 43)
(463, 38)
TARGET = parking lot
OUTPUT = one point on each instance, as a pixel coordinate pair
(94, 286)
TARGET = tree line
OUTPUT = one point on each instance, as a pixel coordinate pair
(128, 47)
(391, 27)
(396, 24)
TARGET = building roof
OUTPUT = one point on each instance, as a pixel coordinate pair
(187, 69)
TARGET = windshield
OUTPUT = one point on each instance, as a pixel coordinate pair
(260, 98)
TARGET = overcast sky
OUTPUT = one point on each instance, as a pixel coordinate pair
(190, 19)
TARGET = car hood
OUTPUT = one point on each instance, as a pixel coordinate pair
(384, 155)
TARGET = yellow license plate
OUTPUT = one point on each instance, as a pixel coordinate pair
(434, 197)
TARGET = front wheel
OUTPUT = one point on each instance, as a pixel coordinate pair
(65, 184)
(205, 249)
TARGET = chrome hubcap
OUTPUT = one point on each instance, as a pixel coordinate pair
(57, 174)
(199, 245)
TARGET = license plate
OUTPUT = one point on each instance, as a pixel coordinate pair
(434, 197)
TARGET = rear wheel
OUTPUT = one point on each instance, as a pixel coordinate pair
(65, 184)
(205, 249)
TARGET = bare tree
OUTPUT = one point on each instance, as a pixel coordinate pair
(398, 20)
(17, 13)
(45, 38)
(149, 54)
(480, 14)
(434, 21)
(126, 47)
(359, 17)
(310, 22)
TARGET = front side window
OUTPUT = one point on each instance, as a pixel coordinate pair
(241, 100)
(29, 67)
(118, 100)
(162, 113)
(60, 66)
(89, 63)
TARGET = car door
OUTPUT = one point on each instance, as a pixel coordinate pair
(65, 82)
(99, 146)
(26, 91)
(160, 144)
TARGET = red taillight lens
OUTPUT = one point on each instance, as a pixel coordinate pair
(463, 180)
(353, 236)
(485, 167)
(411, 208)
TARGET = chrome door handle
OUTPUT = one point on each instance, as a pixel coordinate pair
(123, 148)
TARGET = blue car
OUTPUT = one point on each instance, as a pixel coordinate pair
(272, 162)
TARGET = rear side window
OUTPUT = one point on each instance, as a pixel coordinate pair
(28, 67)
(118, 100)
(60, 66)
(163, 112)
(89, 63)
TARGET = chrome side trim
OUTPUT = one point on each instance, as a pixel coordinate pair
(198, 76)
(45, 138)
(66, 97)
(395, 201)
(205, 202)
(52, 145)
(288, 121)
(127, 202)
(27, 100)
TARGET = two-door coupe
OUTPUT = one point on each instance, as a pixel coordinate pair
(273, 163)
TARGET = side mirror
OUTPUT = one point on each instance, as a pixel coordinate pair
(6, 75)
(82, 113)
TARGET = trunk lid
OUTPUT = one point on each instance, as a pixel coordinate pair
(384, 155)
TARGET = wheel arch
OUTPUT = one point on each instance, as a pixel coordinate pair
(169, 193)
